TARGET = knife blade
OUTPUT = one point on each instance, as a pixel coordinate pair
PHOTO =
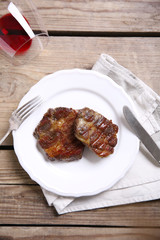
(142, 134)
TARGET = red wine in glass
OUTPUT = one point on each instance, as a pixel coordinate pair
(12, 33)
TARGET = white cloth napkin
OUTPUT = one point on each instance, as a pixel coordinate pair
(142, 181)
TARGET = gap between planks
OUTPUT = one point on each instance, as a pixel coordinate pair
(102, 34)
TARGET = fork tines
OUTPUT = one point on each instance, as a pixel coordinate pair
(27, 108)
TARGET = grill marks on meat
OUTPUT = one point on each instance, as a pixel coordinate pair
(55, 134)
(62, 133)
(96, 131)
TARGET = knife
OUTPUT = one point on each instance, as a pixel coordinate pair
(141, 133)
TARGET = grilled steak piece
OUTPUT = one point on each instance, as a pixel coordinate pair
(55, 134)
(96, 131)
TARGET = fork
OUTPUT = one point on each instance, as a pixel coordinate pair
(20, 114)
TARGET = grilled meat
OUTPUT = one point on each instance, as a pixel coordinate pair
(55, 134)
(96, 131)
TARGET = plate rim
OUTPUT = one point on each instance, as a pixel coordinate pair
(88, 193)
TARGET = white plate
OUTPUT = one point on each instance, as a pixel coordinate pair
(90, 175)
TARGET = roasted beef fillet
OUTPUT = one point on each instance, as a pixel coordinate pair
(96, 132)
(55, 135)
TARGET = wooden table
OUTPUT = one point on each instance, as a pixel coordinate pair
(79, 32)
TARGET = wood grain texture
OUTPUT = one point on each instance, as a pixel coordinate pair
(24, 212)
(101, 16)
(140, 55)
(98, 16)
(11, 171)
(25, 204)
(76, 233)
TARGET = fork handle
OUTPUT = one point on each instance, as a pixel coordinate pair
(5, 136)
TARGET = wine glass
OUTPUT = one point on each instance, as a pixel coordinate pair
(22, 32)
